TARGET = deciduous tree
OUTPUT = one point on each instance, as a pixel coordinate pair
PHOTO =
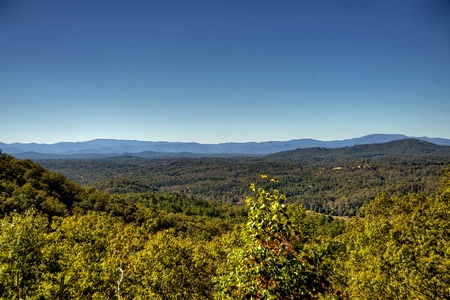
(279, 258)
(22, 238)
(400, 249)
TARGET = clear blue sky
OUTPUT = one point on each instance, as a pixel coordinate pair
(221, 71)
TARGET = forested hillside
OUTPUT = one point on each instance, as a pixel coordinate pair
(59, 240)
(330, 181)
(110, 147)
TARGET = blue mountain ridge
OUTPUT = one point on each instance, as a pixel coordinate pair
(113, 146)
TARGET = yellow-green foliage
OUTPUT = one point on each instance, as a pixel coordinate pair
(400, 249)
(22, 238)
(83, 244)
(279, 258)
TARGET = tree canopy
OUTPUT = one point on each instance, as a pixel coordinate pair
(59, 240)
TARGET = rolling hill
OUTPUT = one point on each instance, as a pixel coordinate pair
(405, 148)
(109, 147)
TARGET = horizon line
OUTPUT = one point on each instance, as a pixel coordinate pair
(219, 143)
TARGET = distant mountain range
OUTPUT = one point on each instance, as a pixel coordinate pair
(110, 147)
(406, 148)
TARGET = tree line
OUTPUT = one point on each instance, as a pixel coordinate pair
(335, 187)
(62, 241)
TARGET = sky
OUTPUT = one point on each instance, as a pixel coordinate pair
(223, 71)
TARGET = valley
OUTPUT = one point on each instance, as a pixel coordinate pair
(330, 181)
(129, 227)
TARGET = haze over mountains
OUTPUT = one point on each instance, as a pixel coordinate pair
(112, 147)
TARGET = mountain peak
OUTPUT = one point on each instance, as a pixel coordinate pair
(118, 147)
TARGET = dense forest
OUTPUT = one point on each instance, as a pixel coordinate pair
(61, 240)
(330, 181)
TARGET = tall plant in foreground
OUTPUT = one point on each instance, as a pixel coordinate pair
(279, 258)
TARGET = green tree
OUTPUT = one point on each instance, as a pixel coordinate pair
(279, 258)
(400, 249)
(22, 238)
(80, 251)
(171, 267)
